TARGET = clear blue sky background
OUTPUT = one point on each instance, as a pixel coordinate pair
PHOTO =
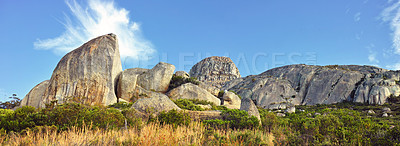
(257, 35)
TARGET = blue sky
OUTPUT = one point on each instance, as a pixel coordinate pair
(257, 35)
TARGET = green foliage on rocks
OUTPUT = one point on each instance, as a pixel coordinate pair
(187, 104)
(177, 81)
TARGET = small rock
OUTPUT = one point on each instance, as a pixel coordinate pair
(291, 110)
(309, 114)
(385, 115)
(391, 127)
(182, 74)
(317, 114)
(280, 114)
(371, 112)
(386, 110)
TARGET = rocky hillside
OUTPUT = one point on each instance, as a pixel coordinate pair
(92, 74)
(310, 85)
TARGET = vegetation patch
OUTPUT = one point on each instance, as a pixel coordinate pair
(235, 119)
(177, 81)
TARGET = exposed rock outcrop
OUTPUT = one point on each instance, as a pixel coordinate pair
(309, 85)
(34, 97)
(127, 83)
(191, 91)
(231, 100)
(213, 90)
(87, 74)
(158, 78)
(215, 71)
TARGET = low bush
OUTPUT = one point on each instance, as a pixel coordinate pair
(131, 117)
(187, 104)
(177, 81)
(121, 105)
(235, 119)
(63, 116)
(174, 117)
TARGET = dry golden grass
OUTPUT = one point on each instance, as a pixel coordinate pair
(149, 134)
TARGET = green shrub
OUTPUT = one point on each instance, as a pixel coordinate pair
(187, 104)
(17, 120)
(132, 119)
(235, 119)
(269, 120)
(221, 93)
(177, 81)
(219, 107)
(174, 118)
(63, 116)
(121, 105)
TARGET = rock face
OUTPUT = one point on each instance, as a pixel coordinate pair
(376, 90)
(231, 100)
(248, 105)
(311, 85)
(213, 90)
(34, 97)
(158, 78)
(215, 71)
(191, 91)
(127, 83)
(156, 103)
(88, 73)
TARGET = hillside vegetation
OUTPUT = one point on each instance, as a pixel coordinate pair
(77, 124)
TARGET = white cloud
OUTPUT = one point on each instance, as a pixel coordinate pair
(372, 58)
(99, 17)
(357, 17)
(394, 66)
(391, 15)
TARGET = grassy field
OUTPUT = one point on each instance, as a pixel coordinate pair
(150, 134)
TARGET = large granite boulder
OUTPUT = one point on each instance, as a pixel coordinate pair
(215, 70)
(213, 90)
(154, 104)
(34, 97)
(249, 106)
(158, 78)
(127, 83)
(191, 91)
(87, 74)
(231, 100)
